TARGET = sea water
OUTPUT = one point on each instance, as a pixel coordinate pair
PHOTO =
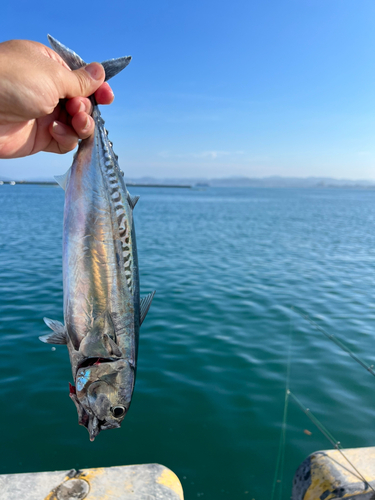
(227, 266)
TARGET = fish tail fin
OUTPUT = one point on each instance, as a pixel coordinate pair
(114, 66)
(74, 61)
(71, 58)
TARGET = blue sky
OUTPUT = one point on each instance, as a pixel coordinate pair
(222, 88)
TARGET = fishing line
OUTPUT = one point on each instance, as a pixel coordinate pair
(282, 443)
(338, 342)
(336, 444)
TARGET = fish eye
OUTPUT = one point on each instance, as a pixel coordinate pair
(118, 411)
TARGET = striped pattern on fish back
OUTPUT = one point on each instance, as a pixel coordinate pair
(111, 173)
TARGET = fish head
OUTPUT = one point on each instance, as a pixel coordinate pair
(103, 394)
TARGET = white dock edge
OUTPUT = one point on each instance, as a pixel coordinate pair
(131, 482)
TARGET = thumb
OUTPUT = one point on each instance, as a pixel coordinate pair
(82, 82)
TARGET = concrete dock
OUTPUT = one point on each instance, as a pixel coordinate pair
(132, 482)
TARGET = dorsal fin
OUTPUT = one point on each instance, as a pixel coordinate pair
(132, 200)
(111, 67)
(145, 306)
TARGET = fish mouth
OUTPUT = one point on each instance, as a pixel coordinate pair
(96, 425)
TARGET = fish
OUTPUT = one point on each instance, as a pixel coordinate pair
(103, 310)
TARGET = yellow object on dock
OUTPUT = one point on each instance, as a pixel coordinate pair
(132, 482)
(327, 475)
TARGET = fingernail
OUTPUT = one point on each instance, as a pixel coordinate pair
(109, 88)
(81, 107)
(94, 70)
(58, 128)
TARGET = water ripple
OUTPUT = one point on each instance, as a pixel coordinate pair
(227, 265)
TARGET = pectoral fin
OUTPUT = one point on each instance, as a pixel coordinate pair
(111, 346)
(58, 336)
(145, 306)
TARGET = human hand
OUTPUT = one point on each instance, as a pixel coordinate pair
(43, 104)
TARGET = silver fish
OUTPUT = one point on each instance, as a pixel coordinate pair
(102, 307)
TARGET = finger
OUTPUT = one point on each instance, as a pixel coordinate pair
(65, 138)
(104, 94)
(62, 116)
(83, 125)
(78, 105)
(81, 82)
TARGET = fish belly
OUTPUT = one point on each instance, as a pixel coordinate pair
(94, 279)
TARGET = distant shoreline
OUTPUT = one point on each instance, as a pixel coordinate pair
(51, 183)
(216, 183)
